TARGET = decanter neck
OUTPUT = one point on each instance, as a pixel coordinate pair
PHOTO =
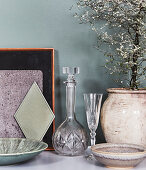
(70, 99)
(70, 90)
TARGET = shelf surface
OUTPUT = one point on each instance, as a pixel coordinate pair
(49, 160)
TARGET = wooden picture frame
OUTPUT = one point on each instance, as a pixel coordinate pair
(34, 59)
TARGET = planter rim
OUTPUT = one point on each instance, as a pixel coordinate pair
(126, 91)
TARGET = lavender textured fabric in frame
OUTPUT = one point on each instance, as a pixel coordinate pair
(14, 85)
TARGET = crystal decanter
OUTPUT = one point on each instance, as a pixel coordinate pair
(70, 138)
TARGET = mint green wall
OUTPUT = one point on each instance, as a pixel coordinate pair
(50, 23)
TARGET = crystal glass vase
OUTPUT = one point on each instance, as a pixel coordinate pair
(70, 138)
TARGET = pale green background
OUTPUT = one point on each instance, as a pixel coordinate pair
(50, 23)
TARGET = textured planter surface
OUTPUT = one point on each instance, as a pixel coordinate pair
(123, 116)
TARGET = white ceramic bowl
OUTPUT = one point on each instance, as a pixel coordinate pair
(119, 155)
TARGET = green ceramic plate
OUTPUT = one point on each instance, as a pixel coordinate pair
(15, 150)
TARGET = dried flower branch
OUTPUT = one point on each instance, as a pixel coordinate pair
(121, 25)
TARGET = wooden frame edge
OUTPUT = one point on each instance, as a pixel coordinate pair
(53, 96)
(26, 49)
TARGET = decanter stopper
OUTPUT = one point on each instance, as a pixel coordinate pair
(71, 72)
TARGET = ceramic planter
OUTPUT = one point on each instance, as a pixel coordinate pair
(123, 116)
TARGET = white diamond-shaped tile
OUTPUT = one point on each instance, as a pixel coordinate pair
(34, 115)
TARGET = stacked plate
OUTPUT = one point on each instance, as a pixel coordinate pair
(15, 150)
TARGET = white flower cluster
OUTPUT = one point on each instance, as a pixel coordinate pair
(121, 25)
